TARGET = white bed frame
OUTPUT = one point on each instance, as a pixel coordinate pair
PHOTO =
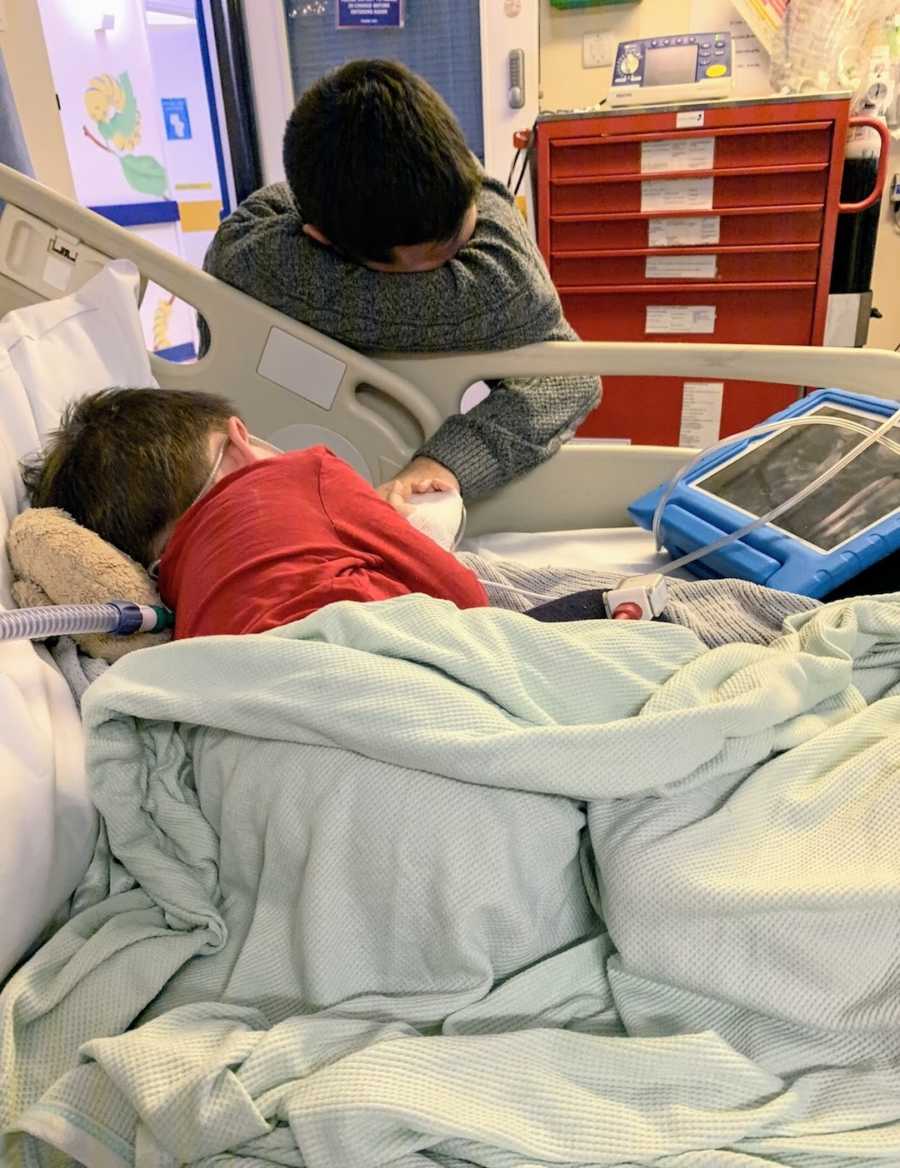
(384, 407)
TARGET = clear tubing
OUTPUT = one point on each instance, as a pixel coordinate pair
(872, 436)
(119, 617)
(57, 620)
(760, 431)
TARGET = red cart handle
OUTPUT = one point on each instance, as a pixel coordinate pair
(883, 159)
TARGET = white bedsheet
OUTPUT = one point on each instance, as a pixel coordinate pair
(628, 550)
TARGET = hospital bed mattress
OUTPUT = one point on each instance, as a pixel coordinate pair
(625, 550)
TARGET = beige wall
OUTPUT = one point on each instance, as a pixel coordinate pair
(885, 334)
(26, 59)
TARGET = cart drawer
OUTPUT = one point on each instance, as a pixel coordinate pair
(735, 267)
(733, 230)
(744, 146)
(775, 189)
(770, 316)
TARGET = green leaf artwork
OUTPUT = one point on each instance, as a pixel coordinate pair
(111, 102)
(126, 122)
(144, 173)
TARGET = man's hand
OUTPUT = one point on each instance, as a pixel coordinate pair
(421, 476)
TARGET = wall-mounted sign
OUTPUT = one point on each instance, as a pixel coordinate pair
(177, 118)
(370, 13)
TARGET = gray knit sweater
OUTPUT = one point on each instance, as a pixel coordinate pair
(496, 294)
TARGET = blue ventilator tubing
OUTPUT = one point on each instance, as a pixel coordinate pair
(120, 618)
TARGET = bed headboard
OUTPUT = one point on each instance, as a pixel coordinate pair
(294, 385)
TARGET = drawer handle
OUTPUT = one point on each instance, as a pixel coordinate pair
(883, 159)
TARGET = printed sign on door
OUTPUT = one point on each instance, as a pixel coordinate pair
(370, 13)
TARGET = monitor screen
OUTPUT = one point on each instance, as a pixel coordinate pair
(672, 65)
(861, 495)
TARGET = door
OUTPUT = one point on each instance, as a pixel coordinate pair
(461, 47)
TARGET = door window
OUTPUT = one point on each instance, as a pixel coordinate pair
(440, 40)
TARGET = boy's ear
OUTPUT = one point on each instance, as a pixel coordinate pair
(239, 437)
(316, 234)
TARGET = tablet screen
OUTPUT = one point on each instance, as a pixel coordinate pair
(861, 495)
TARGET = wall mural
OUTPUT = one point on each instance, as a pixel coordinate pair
(112, 105)
(162, 319)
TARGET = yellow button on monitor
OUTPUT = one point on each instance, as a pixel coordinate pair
(716, 71)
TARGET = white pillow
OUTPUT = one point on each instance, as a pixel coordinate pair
(55, 352)
(50, 354)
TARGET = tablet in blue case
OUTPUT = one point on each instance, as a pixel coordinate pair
(850, 523)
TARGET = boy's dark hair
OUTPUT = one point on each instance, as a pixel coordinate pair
(128, 462)
(376, 160)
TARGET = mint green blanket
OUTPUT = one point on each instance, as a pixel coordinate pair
(406, 885)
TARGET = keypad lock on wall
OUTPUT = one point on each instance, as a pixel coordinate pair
(516, 69)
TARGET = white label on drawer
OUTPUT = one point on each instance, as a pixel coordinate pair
(677, 194)
(701, 413)
(689, 119)
(677, 154)
(680, 318)
(683, 232)
(689, 267)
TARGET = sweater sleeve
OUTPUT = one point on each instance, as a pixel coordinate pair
(495, 294)
(521, 424)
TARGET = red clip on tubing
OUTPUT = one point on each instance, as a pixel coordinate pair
(883, 159)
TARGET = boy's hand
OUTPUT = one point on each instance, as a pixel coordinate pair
(421, 476)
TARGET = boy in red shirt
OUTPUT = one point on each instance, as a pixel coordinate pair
(246, 538)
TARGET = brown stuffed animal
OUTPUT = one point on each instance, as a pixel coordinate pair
(56, 561)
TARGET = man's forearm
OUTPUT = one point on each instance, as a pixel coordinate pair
(521, 424)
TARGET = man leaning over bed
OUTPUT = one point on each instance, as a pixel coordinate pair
(389, 237)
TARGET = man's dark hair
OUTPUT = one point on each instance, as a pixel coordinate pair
(376, 160)
(128, 462)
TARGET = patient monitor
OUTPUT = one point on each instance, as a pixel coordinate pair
(662, 70)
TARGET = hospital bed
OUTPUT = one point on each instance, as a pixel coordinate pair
(295, 388)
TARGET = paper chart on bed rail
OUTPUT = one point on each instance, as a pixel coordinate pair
(701, 413)
(677, 194)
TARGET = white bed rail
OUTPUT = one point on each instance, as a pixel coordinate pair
(295, 385)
